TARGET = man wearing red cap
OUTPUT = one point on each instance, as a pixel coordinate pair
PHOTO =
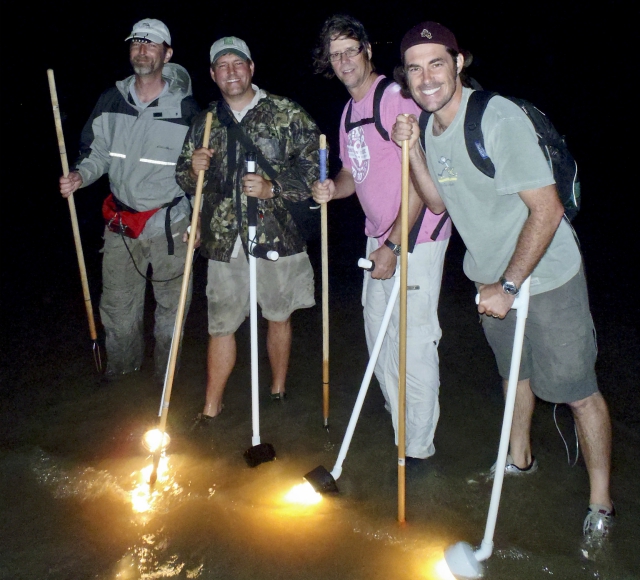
(513, 228)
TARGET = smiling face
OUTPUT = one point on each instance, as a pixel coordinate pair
(354, 72)
(147, 58)
(432, 77)
(233, 76)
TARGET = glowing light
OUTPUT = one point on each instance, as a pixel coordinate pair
(442, 570)
(303, 494)
(151, 440)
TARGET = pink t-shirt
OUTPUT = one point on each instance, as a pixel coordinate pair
(376, 164)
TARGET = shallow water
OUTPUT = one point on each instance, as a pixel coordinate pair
(75, 505)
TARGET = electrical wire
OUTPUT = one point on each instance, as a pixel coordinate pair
(195, 255)
(566, 446)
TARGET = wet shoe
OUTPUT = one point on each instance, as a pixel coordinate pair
(598, 523)
(512, 469)
(202, 422)
(595, 531)
(281, 396)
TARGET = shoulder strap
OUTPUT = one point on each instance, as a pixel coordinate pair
(422, 123)
(377, 98)
(226, 118)
(473, 137)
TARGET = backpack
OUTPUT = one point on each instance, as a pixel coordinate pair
(377, 98)
(553, 145)
(376, 119)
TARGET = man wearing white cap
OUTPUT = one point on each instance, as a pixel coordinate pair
(135, 134)
(286, 141)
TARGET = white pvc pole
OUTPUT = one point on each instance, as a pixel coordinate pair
(253, 301)
(337, 469)
(522, 305)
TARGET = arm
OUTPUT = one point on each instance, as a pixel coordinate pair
(192, 160)
(343, 186)
(407, 129)
(545, 215)
(94, 160)
(301, 167)
(385, 260)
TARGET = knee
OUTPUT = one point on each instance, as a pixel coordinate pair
(594, 401)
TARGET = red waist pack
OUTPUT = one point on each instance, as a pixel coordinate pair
(122, 219)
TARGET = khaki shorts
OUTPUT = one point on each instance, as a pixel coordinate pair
(559, 351)
(283, 286)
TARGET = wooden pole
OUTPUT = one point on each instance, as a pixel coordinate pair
(325, 288)
(177, 329)
(74, 221)
(402, 358)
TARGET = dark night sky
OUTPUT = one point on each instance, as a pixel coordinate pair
(572, 62)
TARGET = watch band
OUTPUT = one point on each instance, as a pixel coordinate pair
(395, 248)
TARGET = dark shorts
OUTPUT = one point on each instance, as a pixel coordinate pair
(559, 351)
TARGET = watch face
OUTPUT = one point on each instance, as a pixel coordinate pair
(276, 189)
(509, 288)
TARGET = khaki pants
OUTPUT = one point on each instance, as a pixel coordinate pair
(423, 335)
(123, 290)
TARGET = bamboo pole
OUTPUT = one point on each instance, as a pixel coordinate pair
(325, 288)
(177, 329)
(402, 362)
(74, 221)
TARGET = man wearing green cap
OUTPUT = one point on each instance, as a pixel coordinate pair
(287, 139)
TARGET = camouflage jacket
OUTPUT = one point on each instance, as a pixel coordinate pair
(288, 138)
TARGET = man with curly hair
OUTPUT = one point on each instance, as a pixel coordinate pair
(372, 170)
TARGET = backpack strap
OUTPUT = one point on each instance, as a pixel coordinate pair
(443, 220)
(422, 123)
(473, 137)
(377, 98)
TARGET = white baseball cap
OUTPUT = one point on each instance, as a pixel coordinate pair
(150, 29)
(229, 44)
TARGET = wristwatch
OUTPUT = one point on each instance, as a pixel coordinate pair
(395, 248)
(509, 287)
(276, 190)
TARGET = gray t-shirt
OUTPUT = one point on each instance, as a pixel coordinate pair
(488, 213)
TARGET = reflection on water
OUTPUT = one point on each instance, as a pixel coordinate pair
(213, 519)
(145, 496)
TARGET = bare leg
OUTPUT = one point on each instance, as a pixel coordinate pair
(279, 348)
(221, 358)
(520, 439)
(594, 430)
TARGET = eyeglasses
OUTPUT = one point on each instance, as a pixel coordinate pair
(349, 53)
